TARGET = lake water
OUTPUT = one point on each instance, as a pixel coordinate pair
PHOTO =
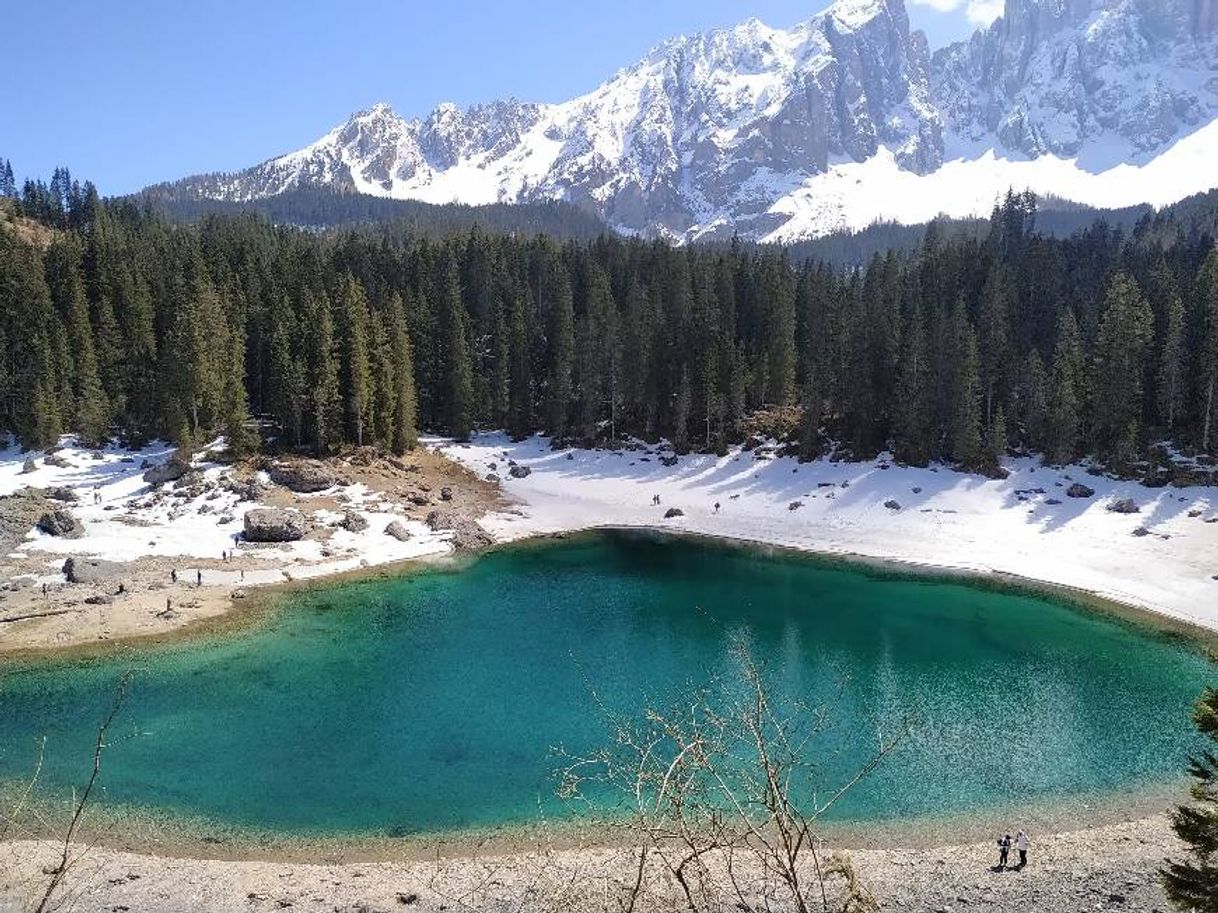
(433, 701)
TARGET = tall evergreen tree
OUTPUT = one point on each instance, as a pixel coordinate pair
(457, 399)
(405, 431)
(1126, 331)
(1067, 392)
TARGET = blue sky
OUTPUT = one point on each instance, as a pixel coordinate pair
(127, 93)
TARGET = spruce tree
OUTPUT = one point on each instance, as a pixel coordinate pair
(1171, 373)
(405, 431)
(356, 368)
(458, 386)
(964, 431)
(1063, 434)
(1207, 355)
(1125, 334)
(325, 399)
(912, 409)
(1192, 884)
(556, 290)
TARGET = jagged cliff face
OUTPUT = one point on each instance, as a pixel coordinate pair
(1052, 75)
(762, 131)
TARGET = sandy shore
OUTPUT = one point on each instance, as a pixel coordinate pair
(1106, 867)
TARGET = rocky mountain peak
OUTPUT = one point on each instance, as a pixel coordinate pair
(754, 129)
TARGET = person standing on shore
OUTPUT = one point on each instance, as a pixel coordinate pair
(1004, 850)
(1022, 843)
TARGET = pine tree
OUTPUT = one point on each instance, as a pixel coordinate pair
(242, 441)
(458, 388)
(912, 408)
(996, 438)
(964, 431)
(520, 373)
(1067, 393)
(994, 337)
(1171, 365)
(325, 400)
(1126, 331)
(356, 368)
(405, 432)
(561, 338)
(1193, 884)
(1207, 356)
(287, 395)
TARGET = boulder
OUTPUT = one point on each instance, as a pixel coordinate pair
(418, 500)
(446, 493)
(29, 466)
(397, 531)
(62, 493)
(303, 478)
(467, 534)
(520, 472)
(1124, 506)
(795, 505)
(353, 522)
(269, 524)
(91, 570)
(60, 522)
(169, 471)
(668, 461)
(1079, 490)
(673, 512)
(893, 505)
(99, 599)
(57, 461)
(492, 478)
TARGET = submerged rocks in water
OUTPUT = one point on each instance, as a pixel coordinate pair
(169, 471)
(62, 523)
(397, 531)
(673, 512)
(91, 570)
(1124, 506)
(1079, 490)
(303, 478)
(269, 524)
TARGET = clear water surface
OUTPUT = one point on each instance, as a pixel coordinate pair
(432, 701)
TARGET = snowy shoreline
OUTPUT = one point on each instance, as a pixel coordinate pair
(1024, 529)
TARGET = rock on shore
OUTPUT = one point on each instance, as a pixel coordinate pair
(269, 524)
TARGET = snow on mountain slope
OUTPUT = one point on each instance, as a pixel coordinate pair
(841, 121)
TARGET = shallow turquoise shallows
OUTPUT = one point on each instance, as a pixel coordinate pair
(432, 702)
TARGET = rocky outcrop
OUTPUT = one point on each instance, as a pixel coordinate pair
(1124, 506)
(62, 523)
(520, 472)
(673, 512)
(269, 524)
(92, 570)
(397, 530)
(303, 478)
(468, 535)
(62, 493)
(169, 471)
(353, 522)
(1079, 490)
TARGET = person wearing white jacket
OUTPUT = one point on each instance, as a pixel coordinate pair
(1022, 843)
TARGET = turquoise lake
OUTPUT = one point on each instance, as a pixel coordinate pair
(433, 701)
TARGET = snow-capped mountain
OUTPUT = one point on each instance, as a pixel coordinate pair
(841, 121)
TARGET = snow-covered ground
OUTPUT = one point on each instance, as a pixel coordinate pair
(946, 519)
(124, 519)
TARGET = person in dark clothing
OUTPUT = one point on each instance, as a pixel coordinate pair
(1004, 850)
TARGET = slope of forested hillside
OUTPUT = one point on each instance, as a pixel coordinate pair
(1100, 343)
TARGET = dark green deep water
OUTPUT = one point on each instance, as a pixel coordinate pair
(432, 701)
